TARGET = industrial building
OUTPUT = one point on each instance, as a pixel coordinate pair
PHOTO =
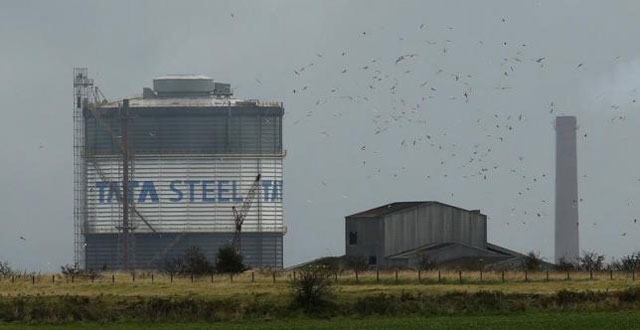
(406, 233)
(567, 237)
(186, 152)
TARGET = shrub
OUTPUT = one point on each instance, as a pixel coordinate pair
(5, 269)
(75, 271)
(356, 263)
(566, 265)
(195, 262)
(173, 266)
(532, 261)
(426, 263)
(312, 290)
(229, 261)
(591, 261)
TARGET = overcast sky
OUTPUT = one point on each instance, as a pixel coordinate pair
(476, 97)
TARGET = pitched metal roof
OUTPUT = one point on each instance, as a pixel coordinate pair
(387, 209)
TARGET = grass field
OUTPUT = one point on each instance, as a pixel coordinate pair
(348, 286)
(445, 300)
(592, 320)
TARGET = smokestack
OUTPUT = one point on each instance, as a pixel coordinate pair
(567, 247)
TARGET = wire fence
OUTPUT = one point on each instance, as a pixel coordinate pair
(345, 277)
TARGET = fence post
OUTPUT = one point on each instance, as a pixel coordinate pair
(568, 276)
(439, 278)
(211, 277)
(611, 274)
(274, 276)
(356, 275)
(133, 278)
(480, 274)
(396, 275)
(72, 278)
(171, 278)
(590, 274)
(113, 278)
(335, 276)
(377, 274)
(33, 279)
(503, 276)
(252, 278)
(460, 276)
(191, 278)
(231, 277)
(419, 276)
(53, 279)
(294, 275)
(547, 275)
(151, 277)
(92, 278)
(633, 275)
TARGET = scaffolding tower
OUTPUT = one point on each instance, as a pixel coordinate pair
(82, 91)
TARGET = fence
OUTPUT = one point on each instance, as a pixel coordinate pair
(351, 278)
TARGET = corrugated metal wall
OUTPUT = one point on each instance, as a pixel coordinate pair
(433, 223)
(180, 193)
(220, 130)
(103, 251)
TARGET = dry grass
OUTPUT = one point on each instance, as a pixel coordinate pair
(348, 287)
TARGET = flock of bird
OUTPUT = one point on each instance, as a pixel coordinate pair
(378, 83)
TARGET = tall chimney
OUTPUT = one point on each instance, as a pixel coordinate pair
(567, 247)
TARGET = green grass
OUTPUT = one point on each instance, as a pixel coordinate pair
(556, 320)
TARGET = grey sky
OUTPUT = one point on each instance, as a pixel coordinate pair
(345, 148)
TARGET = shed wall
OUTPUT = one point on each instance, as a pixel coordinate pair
(433, 223)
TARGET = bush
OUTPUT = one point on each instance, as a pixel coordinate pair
(195, 262)
(312, 290)
(229, 261)
(173, 266)
(591, 261)
(75, 271)
(566, 265)
(532, 261)
(5, 269)
(426, 263)
(356, 263)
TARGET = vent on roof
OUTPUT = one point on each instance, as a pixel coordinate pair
(183, 86)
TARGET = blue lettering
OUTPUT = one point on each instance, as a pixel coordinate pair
(148, 189)
(114, 188)
(276, 194)
(177, 191)
(266, 184)
(222, 191)
(102, 186)
(131, 189)
(206, 190)
(192, 188)
(234, 192)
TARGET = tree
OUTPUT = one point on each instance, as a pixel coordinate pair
(195, 262)
(627, 263)
(229, 261)
(532, 261)
(591, 261)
